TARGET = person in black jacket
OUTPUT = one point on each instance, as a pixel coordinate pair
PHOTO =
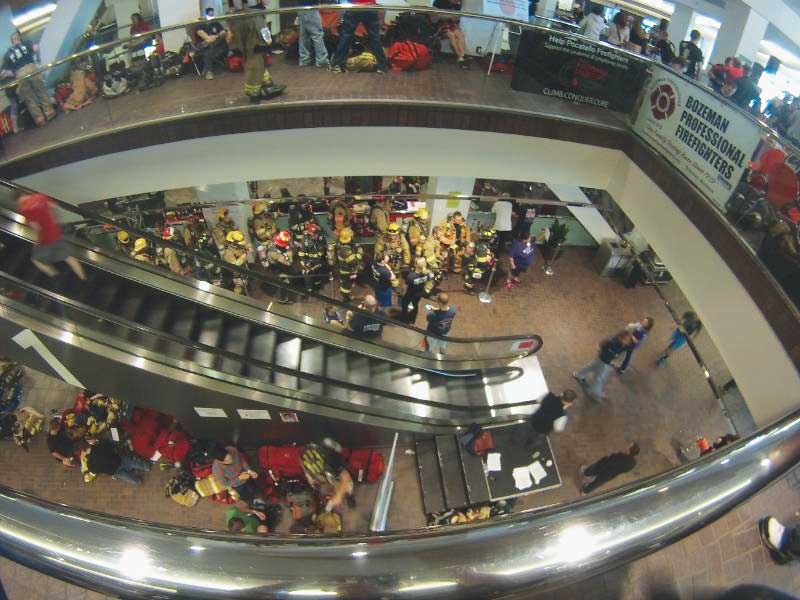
(552, 412)
(601, 367)
(608, 467)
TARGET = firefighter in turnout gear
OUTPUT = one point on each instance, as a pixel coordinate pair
(221, 230)
(169, 258)
(340, 215)
(123, 241)
(396, 246)
(430, 249)
(142, 252)
(281, 257)
(478, 263)
(312, 254)
(236, 254)
(489, 237)
(417, 226)
(455, 236)
(262, 228)
(196, 237)
(348, 259)
(379, 218)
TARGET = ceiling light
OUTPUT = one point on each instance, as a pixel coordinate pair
(33, 14)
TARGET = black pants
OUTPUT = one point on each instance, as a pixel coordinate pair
(410, 299)
(601, 476)
(504, 239)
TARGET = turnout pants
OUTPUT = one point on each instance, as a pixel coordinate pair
(33, 93)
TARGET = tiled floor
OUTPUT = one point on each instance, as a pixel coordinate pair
(572, 311)
(445, 82)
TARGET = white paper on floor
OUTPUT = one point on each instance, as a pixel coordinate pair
(537, 471)
(493, 461)
(522, 478)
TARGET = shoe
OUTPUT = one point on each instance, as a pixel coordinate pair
(463, 64)
(380, 72)
(272, 90)
(209, 76)
(515, 280)
(579, 379)
(335, 69)
(582, 470)
(661, 360)
(326, 65)
(620, 371)
(509, 285)
(304, 65)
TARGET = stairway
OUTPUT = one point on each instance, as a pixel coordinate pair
(450, 477)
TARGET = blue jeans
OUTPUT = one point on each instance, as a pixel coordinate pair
(311, 39)
(436, 346)
(601, 371)
(127, 471)
(347, 31)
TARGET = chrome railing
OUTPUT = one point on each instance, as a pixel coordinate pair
(135, 559)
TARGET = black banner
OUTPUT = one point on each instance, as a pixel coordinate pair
(577, 70)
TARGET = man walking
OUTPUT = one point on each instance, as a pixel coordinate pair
(440, 320)
(551, 413)
(608, 467)
(416, 279)
(601, 367)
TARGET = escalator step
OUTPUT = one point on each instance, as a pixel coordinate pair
(336, 368)
(312, 360)
(16, 259)
(209, 332)
(234, 339)
(430, 478)
(262, 346)
(183, 320)
(455, 491)
(359, 370)
(287, 354)
(104, 291)
(157, 311)
(130, 302)
(474, 477)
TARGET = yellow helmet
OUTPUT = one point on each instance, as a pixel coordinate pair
(235, 237)
(259, 207)
(346, 235)
(393, 229)
(123, 237)
(422, 214)
(140, 245)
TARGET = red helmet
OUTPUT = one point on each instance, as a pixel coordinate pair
(282, 239)
(168, 233)
(311, 228)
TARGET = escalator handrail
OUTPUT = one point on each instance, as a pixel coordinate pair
(89, 214)
(544, 547)
(200, 347)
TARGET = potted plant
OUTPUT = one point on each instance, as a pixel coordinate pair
(554, 237)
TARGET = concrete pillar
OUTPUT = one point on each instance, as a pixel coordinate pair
(222, 193)
(6, 26)
(439, 209)
(741, 33)
(175, 12)
(67, 23)
(680, 24)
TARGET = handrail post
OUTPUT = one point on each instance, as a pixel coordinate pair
(380, 513)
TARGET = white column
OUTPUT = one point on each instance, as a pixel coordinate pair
(588, 216)
(6, 26)
(680, 23)
(175, 12)
(226, 192)
(741, 33)
(439, 209)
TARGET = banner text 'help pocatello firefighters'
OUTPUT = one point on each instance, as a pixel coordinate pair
(703, 130)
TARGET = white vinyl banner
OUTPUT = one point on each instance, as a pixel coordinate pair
(706, 140)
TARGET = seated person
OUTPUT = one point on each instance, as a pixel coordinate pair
(231, 470)
(450, 29)
(361, 325)
(61, 447)
(324, 466)
(107, 458)
(212, 39)
(247, 522)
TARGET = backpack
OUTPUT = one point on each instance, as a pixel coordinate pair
(364, 62)
(281, 462)
(179, 488)
(408, 56)
(364, 464)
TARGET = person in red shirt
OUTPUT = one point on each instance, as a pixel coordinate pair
(138, 24)
(50, 247)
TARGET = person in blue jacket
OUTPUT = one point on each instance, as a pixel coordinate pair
(520, 257)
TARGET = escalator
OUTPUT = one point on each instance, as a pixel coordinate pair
(263, 358)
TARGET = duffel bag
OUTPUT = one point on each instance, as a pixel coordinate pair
(208, 486)
(408, 56)
(364, 464)
(364, 62)
(281, 462)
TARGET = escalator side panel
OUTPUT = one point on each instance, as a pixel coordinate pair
(455, 492)
(235, 337)
(430, 478)
(287, 354)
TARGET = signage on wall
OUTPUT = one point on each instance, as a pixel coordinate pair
(214, 413)
(253, 414)
(706, 140)
(577, 70)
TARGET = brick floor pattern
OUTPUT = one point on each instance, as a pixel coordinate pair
(572, 311)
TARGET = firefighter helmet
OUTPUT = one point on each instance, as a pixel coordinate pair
(258, 208)
(311, 228)
(346, 235)
(235, 237)
(168, 233)
(422, 214)
(123, 237)
(282, 239)
(393, 229)
(488, 234)
(140, 245)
